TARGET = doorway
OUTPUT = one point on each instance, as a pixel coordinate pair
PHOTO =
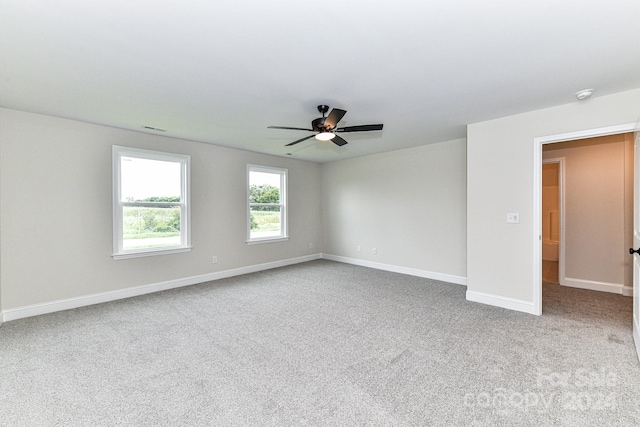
(599, 199)
(552, 219)
(539, 143)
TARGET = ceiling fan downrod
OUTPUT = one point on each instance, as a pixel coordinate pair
(323, 109)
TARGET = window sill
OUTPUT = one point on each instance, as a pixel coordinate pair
(267, 240)
(152, 252)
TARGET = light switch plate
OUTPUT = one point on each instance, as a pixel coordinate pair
(513, 218)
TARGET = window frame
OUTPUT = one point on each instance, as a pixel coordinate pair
(118, 152)
(284, 229)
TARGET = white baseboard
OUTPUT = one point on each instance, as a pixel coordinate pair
(614, 288)
(66, 304)
(503, 302)
(458, 280)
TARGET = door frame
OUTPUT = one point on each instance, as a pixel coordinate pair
(537, 194)
(561, 206)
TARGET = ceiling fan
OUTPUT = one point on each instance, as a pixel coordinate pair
(326, 127)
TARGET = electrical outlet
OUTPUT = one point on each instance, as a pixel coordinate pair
(359, 248)
(310, 245)
(214, 260)
(375, 251)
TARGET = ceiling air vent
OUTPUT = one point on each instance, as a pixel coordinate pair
(153, 128)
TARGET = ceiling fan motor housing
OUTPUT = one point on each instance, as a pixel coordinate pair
(318, 124)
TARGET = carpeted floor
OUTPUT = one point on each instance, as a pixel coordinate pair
(323, 344)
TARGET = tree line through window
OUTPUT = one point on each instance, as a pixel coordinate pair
(267, 207)
(151, 203)
(151, 209)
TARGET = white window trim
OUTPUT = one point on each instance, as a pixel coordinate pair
(284, 235)
(185, 204)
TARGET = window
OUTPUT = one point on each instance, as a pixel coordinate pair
(150, 202)
(267, 210)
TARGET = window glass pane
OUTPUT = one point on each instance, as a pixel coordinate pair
(146, 184)
(267, 200)
(148, 227)
(149, 180)
(264, 187)
(266, 221)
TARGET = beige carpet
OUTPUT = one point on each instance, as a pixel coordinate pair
(323, 344)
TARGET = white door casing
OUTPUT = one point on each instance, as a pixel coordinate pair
(561, 206)
(636, 237)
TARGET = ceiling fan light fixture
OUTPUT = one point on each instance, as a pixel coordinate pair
(325, 136)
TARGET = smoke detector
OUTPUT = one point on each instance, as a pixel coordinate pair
(584, 94)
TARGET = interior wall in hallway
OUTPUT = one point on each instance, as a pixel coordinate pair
(597, 180)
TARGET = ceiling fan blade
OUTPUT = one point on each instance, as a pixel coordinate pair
(334, 117)
(284, 127)
(339, 141)
(360, 128)
(300, 140)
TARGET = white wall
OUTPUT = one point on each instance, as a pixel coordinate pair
(596, 198)
(55, 215)
(500, 156)
(408, 204)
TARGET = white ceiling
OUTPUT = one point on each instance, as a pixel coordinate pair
(221, 71)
